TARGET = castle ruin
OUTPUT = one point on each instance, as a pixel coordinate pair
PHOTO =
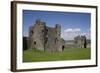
(45, 38)
(80, 41)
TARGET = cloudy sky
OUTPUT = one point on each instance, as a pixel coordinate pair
(72, 23)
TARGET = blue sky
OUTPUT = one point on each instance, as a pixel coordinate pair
(72, 23)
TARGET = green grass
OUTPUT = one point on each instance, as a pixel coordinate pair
(68, 54)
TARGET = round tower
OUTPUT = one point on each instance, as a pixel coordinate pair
(58, 30)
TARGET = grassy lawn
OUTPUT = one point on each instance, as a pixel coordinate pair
(67, 54)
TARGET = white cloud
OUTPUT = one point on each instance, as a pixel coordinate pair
(68, 30)
(77, 30)
(72, 30)
(69, 34)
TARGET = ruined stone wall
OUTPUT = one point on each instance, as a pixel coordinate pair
(37, 37)
(50, 39)
(80, 41)
(45, 38)
(59, 41)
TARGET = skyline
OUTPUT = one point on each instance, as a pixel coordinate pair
(72, 23)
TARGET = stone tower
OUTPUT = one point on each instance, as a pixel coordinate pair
(36, 35)
(58, 40)
(45, 38)
(80, 41)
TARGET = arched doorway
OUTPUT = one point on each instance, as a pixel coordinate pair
(63, 47)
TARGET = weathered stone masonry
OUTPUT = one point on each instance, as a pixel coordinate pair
(45, 38)
(42, 37)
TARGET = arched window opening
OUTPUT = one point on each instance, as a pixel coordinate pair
(34, 42)
(63, 48)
